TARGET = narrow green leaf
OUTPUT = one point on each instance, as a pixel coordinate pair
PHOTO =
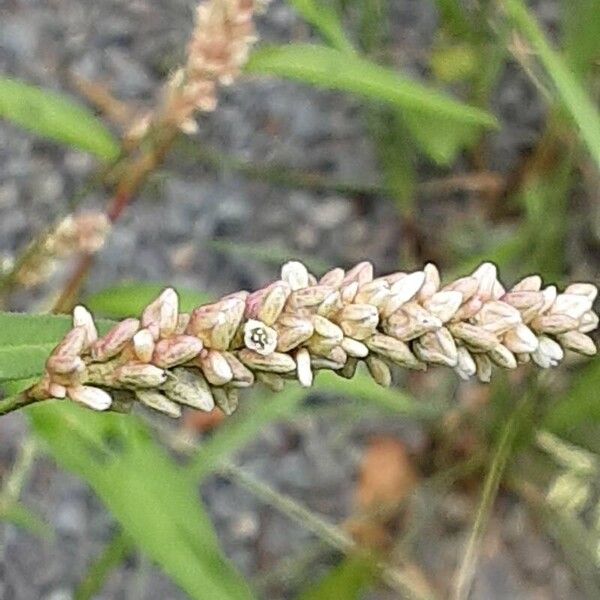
(147, 493)
(579, 405)
(348, 580)
(129, 299)
(330, 68)
(21, 362)
(242, 428)
(26, 519)
(568, 87)
(326, 21)
(115, 552)
(21, 329)
(364, 388)
(54, 116)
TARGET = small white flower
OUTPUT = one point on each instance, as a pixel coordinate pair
(260, 337)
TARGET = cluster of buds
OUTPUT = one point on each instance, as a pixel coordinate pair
(223, 35)
(76, 234)
(298, 325)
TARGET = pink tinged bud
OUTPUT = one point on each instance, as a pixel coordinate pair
(242, 376)
(292, 331)
(548, 354)
(65, 365)
(503, 357)
(407, 287)
(486, 276)
(465, 363)
(358, 321)
(394, 350)
(73, 344)
(303, 368)
(326, 329)
(309, 297)
(484, 367)
(521, 340)
(143, 345)
(273, 303)
(331, 305)
(226, 399)
(392, 278)
(469, 309)
(259, 338)
(588, 322)
(115, 340)
(295, 274)
(533, 283)
(379, 371)
(474, 336)
(374, 293)
(362, 273)
(203, 319)
(588, 290)
(554, 323)
(578, 342)
(169, 312)
(176, 351)
(498, 317)
(443, 305)
(334, 278)
(189, 387)
(354, 348)
(57, 391)
(221, 334)
(432, 282)
(83, 318)
(467, 286)
(277, 362)
(348, 292)
(89, 396)
(215, 367)
(437, 347)
(140, 376)
(498, 290)
(159, 402)
(572, 305)
(549, 294)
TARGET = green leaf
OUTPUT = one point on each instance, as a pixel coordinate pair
(330, 68)
(22, 329)
(242, 428)
(326, 21)
(26, 519)
(579, 405)
(364, 388)
(27, 340)
(146, 492)
(568, 87)
(129, 299)
(349, 580)
(56, 117)
(21, 362)
(581, 35)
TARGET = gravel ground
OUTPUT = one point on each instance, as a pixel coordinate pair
(166, 236)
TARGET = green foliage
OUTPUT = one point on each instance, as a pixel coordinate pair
(326, 20)
(568, 87)
(364, 388)
(580, 405)
(330, 68)
(130, 299)
(242, 427)
(27, 340)
(56, 117)
(26, 519)
(348, 580)
(146, 491)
